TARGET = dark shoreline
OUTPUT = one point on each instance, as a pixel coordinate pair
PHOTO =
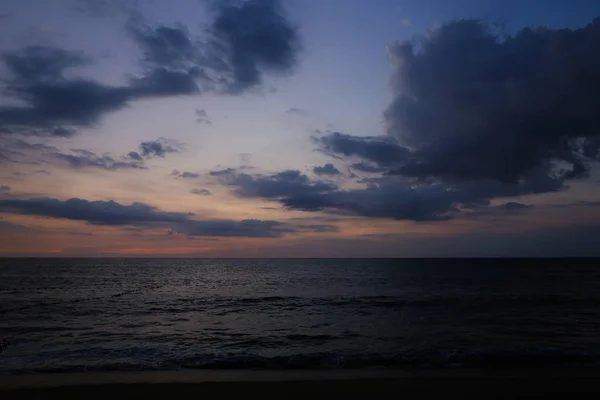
(465, 384)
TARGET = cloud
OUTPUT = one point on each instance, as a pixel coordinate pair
(397, 201)
(379, 149)
(170, 59)
(406, 22)
(475, 116)
(201, 192)
(245, 40)
(202, 117)
(4, 189)
(134, 155)
(163, 46)
(88, 159)
(159, 147)
(162, 82)
(327, 169)
(250, 38)
(389, 199)
(383, 197)
(24, 145)
(42, 172)
(19, 151)
(222, 172)
(185, 175)
(297, 111)
(7, 156)
(318, 228)
(93, 212)
(111, 213)
(368, 167)
(53, 103)
(472, 104)
(281, 184)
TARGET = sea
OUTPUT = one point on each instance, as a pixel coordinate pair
(65, 315)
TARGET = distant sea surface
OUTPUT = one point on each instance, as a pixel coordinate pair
(147, 314)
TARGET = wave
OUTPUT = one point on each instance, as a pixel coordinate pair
(438, 359)
(228, 305)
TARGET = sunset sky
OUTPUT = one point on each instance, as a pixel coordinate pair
(300, 128)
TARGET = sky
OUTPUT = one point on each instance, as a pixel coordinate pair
(299, 128)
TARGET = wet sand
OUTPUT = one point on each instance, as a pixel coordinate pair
(462, 384)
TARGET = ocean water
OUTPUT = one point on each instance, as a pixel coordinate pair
(146, 314)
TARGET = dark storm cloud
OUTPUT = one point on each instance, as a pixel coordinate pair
(282, 184)
(141, 215)
(390, 199)
(93, 212)
(53, 103)
(201, 192)
(427, 203)
(41, 64)
(159, 147)
(378, 149)
(87, 159)
(171, 61)
(472, 104)
(252, 37)
(327, 169)
(383, 197)
(185, 174)
(476, 116)
(245, 40)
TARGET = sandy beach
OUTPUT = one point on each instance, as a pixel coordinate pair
(409, 384)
